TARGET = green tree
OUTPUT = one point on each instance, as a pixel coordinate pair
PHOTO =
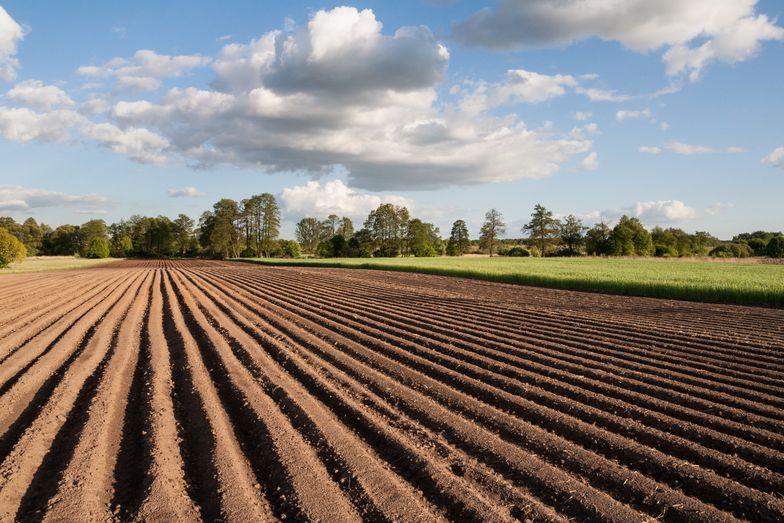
(88, 231)
(289, 248)
(458, 239)
(224, 237)
(597, 240)
(388, 226)
(543, 228)
(630, 238)
(422, 239)
(64, 241)
(11, 249)
(98, 248)
(492, 229)
(775, 247)
(308, 233)
(571, 234)
(345, 228)
(270, 223)
(183, 233)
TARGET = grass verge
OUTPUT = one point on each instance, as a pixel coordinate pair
(53, 263)
(742, 284)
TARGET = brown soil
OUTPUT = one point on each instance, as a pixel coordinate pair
(187, 391)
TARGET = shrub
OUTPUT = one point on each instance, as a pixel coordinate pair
(518, 251)
(666, 251)
(775, 248)
(98, 248)
(248, 252)
(290, 249)
(731, 250)
(534, 251)
(11, 249)
(425, 251)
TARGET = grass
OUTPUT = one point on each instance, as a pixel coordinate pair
(52, 263)
(736, 283)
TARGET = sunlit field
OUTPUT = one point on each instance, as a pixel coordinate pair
(740, 283)
(52, 263)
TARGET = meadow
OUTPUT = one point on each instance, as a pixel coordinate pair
(708, 281)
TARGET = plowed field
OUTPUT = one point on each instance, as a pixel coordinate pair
(186, 391)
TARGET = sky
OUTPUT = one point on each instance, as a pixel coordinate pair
(668, 111)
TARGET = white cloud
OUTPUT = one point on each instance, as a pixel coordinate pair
(582, 115)
(590, 162)
(18, 198)
(93, 106)
(39, 96)
(663, 211)
(718, 207)
(24, 125)
(775, 158)
(144, 70)
(603, 95)
(341, 93)
(626, 115)
(726, 30)
(141, 145)
(186, 192)
(689, 149)
(11, 33)
(650, 150)
(334, 197)
(223, 38)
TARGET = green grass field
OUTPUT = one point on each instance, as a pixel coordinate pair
(738, 283)
(52, 263)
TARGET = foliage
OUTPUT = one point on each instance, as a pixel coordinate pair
(388, 226)
(11, 249)
(289, 249)
(520, 252)
(492, 228)
(98, 248)
(597, 240)
(422, 239)
(543, 228)
(571, 234)
(458, 239)
(775, 247)
(731, 250)
(308, 233)
(629, 238)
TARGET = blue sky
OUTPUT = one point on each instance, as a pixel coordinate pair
(670, 111)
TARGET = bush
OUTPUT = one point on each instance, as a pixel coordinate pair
(534, 251)
(98, 248)
(248, 252)
(11, 249)
(666, 251)
(775, 248)
(425, 251)
(290, 249)
(731, 250)
(518, 251)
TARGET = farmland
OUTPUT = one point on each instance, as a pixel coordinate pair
(160, 390)
(711, 281)
(51, 263)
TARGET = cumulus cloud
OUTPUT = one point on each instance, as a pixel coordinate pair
(334, 197)
(590, 162)
(663, 211)
(186, 192)
(139, 144)
(725, 30)
(11, 33)
(18, 198)
(144, 70)
(603, 95)
(718, 207)
(37, 95)
(24, 125)
(775, 158)
(340, 92)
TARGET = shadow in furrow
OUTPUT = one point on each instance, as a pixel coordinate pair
(250, 431)
(132, 472)
(197, 442)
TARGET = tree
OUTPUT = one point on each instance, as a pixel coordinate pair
(597, 240)
(775, 248)
(269, 214)
(308, 233)
(629, 238)
(224, 238)
(543, 228)
(183, 233)
(571, 234)
(289, 248)
(331, 224)
(11, 249)
(422, 239)
(88, 231)
(493, 228)
(98, 248)
(345, 228)
(64, 241)
(388, 225)
(458, 239)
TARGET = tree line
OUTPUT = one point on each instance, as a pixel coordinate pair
(251, 228)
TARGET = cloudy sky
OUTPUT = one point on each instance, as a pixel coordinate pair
(670, 111)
